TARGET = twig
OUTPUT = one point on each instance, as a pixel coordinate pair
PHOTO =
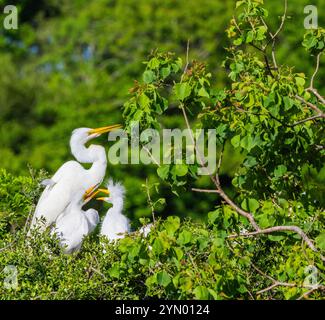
(311, 86)
(273, 36)
(282, 19)
(276, 283)
(28, 217)
(205, 190)
(279, 229)
(317, 95)
(309, 104)
(98, 272)
(318, 116)
(151, 156)
(187, 59)
(314, 288)
(150, 202)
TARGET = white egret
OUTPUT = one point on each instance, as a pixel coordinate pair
(74, 223)
(72, 177)
(115, 225)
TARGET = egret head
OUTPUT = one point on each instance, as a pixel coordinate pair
(83, 135)
(116, 193)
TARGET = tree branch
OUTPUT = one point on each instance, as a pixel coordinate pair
(309, 104)
(279, 229)
(308, 119)
(311, 86)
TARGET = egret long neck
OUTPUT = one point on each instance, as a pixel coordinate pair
(117, 206)
(94, 154)
(98, 169)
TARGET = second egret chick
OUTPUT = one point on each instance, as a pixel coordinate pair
(115, 225)
(74, 223)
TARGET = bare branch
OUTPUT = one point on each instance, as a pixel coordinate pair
(276, 284)
(151, 156)
(187, 59)
(317, 95)
(282, 20)
(306, 294)
(311, 86)
(279, 229)
(308, 119)
(309, 104)
(205, 190)
(273, 36)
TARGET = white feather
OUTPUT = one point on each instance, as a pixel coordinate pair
(74, 224)
(71, 178)
(115, 225)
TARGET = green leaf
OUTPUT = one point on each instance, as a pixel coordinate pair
(180, 169)
(148, 76)
(178, 253)
(300, 81)
(201, 293)
(288, 103)
(320, 241)
(235, 141)
(163, 171)
(238, 41)
(114, 271)
(276, 237)
(184, 237)
(249, 36)
(153, 63)
(239, 3)
(172, 224)
(265, 220)
(163, 278)
(250, 204)
(280, 170)
(144, 102)
(213, 215)
(203, 93)
(247, 142)
(165, 72)
(158, 246)
(182, 90)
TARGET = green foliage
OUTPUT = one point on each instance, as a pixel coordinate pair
(178, 260)
(314, 41)
(18, 195)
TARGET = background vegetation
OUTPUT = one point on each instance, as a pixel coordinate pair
(72, 63)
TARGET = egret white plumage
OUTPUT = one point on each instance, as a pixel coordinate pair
(72, 178)
(74, 223)
(115, 225)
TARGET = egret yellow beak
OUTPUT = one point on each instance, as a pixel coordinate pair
(101, 199)
(89, 191)
(88, 197)
(105, 129)
(106, 191)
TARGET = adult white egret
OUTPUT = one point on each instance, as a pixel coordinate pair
(74, 223)
(115, 225)
(72, 177)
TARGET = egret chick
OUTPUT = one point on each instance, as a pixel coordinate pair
(74, 223)
(115, 225)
